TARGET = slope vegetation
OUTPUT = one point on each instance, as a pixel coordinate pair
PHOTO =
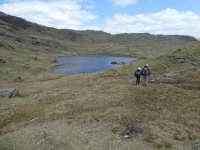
(27, 49)
(103, 110)
(98, 111)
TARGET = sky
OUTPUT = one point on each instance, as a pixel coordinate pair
(181, 17)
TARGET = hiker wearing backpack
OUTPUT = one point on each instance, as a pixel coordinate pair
(146, 72)
(137, 75)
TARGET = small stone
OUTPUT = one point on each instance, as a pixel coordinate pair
(41, 141)
(126, 136)
(18, 79)
(197, 145)
(53, 60)
(32, 120)
(38, 143)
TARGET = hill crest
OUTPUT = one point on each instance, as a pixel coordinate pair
(81, 35)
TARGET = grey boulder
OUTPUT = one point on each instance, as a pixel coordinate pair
(7, 93)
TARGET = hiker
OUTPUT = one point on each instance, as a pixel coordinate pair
(146, 72)
(137, 75)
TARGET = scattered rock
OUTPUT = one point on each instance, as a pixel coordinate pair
(132, 131)
(127, 136)
(54, 61)
(42, 141)
(114, 62)
(32, 120)
(197, 145)
(18, 79)
(7, 93)
(180, 61)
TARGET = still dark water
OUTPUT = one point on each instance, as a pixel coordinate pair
(88, 63)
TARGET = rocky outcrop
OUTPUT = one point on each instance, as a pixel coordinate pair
(117, 63)
(7, 93)
(79, 37)
(114, 63)
(16, 21)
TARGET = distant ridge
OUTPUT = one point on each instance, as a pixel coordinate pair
(82, 36)
(17, 33)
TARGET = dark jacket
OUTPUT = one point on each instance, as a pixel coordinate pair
(138, 73)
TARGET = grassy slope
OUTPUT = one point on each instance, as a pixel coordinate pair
(28, 48)
(91, 111)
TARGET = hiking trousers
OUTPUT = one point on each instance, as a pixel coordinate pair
(137, 80)
(145, 80)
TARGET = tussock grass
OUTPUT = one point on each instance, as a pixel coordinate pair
(95, 110)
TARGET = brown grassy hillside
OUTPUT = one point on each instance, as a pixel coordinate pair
(98, 110)
(28, 48)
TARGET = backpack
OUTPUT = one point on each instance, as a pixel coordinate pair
(145, 72)
(137, 73)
